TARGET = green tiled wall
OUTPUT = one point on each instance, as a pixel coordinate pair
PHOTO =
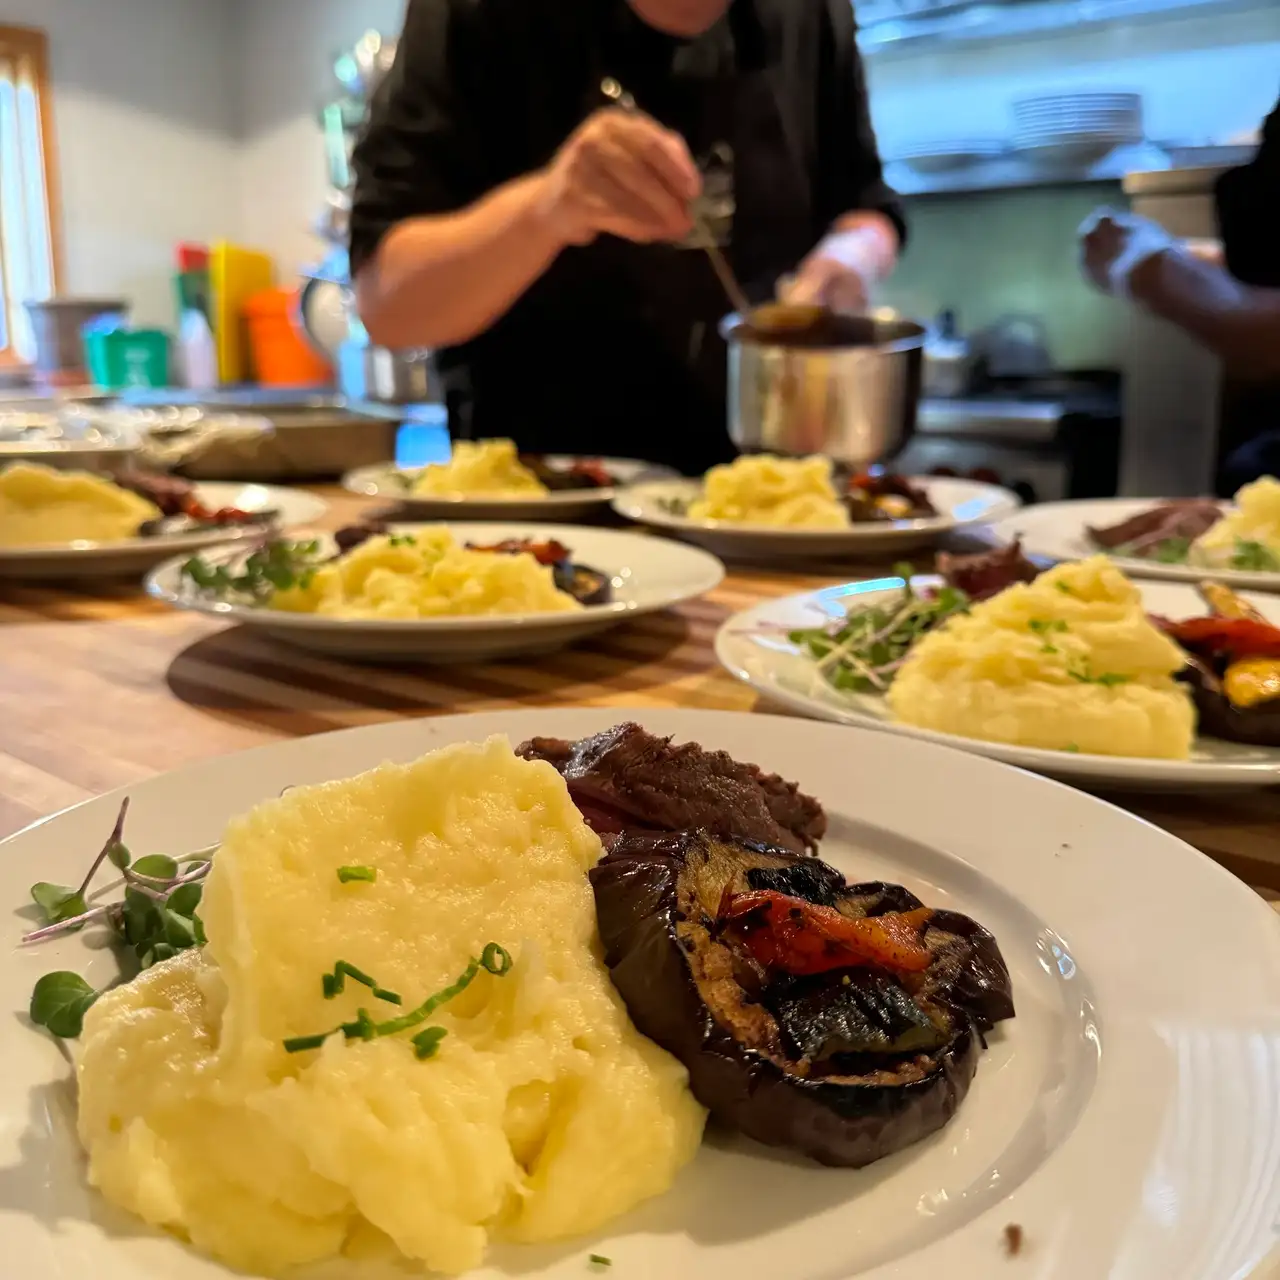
(991, 254)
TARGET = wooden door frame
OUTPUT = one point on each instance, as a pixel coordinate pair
(31, 46)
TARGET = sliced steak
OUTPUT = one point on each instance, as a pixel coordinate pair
(626, 779)
(1185, 518)
(987, 573)
(170, 493)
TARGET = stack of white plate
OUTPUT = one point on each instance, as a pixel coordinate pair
(955, 153)
(1076, 128)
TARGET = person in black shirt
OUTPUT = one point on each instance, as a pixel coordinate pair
(543, 240)
(1232, 306)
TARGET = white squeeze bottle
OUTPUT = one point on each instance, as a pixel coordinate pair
(197, 351)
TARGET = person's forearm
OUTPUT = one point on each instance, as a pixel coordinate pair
(1239, 323)
(438, 281)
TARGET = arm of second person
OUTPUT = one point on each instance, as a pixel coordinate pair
(1235, 321)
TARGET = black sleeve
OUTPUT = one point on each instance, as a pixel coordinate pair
(850, 174)
(420, 151)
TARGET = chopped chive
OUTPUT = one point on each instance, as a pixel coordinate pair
(493, 959)
(363, 1028)
(599, 1260)
(333, 984)
(426, 1044)
(366, 875)
(300, 1044)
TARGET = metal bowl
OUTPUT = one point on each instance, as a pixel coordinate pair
(847, 387)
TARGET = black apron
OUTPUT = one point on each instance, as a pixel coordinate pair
(1248, 208)
(616, 350)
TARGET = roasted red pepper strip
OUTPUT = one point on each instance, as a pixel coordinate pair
(800, 937)
(1233, 637)
(592, 470)
(552, 553)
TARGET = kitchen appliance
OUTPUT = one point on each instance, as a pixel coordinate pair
(948, 360)
(853, 397)
(57, 325)
(367, 372)
(1046, 438)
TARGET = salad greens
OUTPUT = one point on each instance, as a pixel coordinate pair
(862, 653)
(1249, 555)
(274, 566)
(157, 917)
(154, 919)
(1256, 557)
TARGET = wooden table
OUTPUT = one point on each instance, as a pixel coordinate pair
(100, 688)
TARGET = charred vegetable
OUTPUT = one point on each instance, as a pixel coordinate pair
(842, 1021)
(882, 496)
(1234, 668)
(581, 473)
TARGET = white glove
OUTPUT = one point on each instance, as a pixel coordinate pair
(1114, 243)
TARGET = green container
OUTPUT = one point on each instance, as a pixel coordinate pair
(122, 358)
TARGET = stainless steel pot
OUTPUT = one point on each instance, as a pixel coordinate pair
(847, 388)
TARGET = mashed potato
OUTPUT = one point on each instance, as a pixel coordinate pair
(543, 1114)
(426, 575)
(793, 492)
(480, 468)
(1069, 662)
(41, 505)
(1255, 521)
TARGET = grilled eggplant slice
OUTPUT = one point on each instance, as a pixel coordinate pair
(847, 1065)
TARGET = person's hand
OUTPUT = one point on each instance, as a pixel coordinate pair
(621, 173)
(823, 281)
(1114, 244)
(840, 272)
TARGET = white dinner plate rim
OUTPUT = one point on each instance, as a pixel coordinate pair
(639, 502)
(365, 482)
(1117, 771)
(1052, 1199)
(1005, 529)
(159, 588)
(309, 508)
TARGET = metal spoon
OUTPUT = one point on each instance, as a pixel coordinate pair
(724, 272)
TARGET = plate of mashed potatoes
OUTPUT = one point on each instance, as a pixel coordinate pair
(1071, 674)
(768, 507)
(491, 480)
(1177, 540)
(440, 593)
(63, 523)
(389, 1025)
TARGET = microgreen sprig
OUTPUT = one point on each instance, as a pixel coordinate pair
(274, 566)
(156, 918)
(862, 652)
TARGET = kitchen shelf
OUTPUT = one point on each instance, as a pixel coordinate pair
(1010, 173)
(903, 26)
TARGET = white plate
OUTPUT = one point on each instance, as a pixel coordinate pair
(648, 574)
(1058, 530)
(389, 483)
(959, 502)
(295, 508)
(753, 646)
(1126, 1119)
